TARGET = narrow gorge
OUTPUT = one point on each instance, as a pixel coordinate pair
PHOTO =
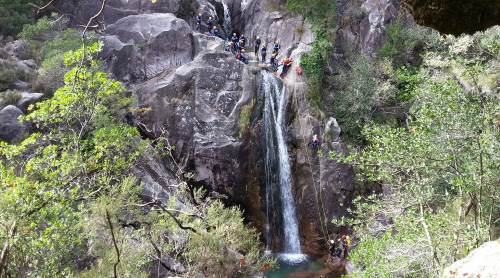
(138, 138)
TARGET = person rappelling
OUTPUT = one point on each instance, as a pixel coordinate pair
(315, 143)
(257, 46)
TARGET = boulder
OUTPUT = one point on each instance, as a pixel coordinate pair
(139, 47)
(481, 262)
(11, 129)
(28, 98)
(17, 48)
(114, 10)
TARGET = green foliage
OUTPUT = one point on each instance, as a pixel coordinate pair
(50, 53)
(9, 97)
(70, 205)
(355, 103)
(404, 44)
(245, 117)
(321, 14)
(407, 81)
(41, 26)
(83, 149)
(440, 171)
(14, 14)
(314, 65)
(11, 72)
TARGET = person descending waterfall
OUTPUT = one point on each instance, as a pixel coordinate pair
(198, 22)
(210, 23)
(263, 53)
(257, 46)
(314, 144)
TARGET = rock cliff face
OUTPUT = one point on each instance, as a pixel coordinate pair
(192, 92)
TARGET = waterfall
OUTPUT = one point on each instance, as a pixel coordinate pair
(227, 19)
(277, 156)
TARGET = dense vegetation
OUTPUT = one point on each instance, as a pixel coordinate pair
(14, 14)
(439, 167)
(321, 14)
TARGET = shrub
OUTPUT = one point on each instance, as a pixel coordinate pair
(9, 97)
(9, 73)
(245, 117)
(404, 44)
(321, 14)
(355, 102)
(14, 14)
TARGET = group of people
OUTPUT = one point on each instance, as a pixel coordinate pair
(340, 247)
(211, 26)
(237, 45)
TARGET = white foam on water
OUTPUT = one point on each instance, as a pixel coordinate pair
(292, 258)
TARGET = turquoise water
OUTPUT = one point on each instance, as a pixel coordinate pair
(284, 270)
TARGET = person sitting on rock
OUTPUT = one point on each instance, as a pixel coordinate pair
(241, 56)
(198, 22)
(263, 53)
(257, 45)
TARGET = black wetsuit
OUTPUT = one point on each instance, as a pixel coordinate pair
(257, 46)
(263, 54)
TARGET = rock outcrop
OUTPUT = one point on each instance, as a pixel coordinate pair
(481, 262)
(139, 47)
(197, 105)
(456, 17)
(11, 129)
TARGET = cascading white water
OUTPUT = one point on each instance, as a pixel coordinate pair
(274, 113)
(227, 19)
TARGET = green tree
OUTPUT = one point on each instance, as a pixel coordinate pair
(440, 170)
(14, 14)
